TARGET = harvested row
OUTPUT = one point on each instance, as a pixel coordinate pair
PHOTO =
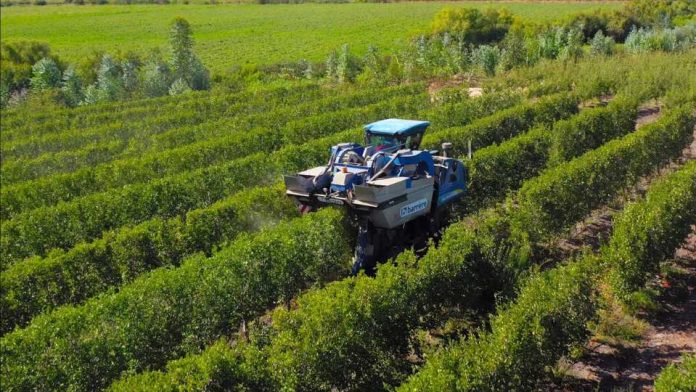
(51, 190)
(171, 311)
(125, 129)
(376, 317)
(552, 311)
(66, 120)
(22, 169)
(37, 285)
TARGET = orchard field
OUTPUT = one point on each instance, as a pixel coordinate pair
(147, 242)
(235, 34)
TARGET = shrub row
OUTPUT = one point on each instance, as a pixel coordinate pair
(125, 129)
(37, 285)
(64, 187)
(246, 118)
(171, 311)
(547, 318)
(504, 167)
(279, 117)
(38, 231)
(565, 193)
(60, 162)
(505, 124)
(551, 313)
(648, 232)
(617, 119)
(434, 285)
(65, 120)
(356, 333)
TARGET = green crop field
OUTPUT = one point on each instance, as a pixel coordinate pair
(148, 241)
(228, 35)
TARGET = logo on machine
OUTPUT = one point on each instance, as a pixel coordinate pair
(414, 207)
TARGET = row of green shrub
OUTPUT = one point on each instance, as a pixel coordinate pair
(552, 312)
(164, 136)
(24, 151)
(37, 231)
(64, 225)
(124, 129)
(679, 377)
(491, 170)
(643, 236)
(358, 333)
(168, 312)
(562, 194)
(53, 189)
(38, 285)
(60, 120)
(467, 109)
(505, 124)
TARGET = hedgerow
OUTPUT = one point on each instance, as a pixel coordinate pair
(250, 115)
(617, 119)
(168, 312)
(358, 331)
(298, 155)
(648, 232)
(62, 226)
(60, 120)
(505, 124)
(156, 121)
(566, 193)
(499, 168)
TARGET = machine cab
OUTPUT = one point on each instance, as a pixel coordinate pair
(395, 133)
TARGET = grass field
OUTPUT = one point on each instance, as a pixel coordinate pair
(229, 35)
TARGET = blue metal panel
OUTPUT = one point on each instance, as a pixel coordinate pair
(395, 126)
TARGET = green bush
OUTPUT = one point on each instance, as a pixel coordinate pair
(473, 26)
(592, 129)
(678, 377)
(649, 231)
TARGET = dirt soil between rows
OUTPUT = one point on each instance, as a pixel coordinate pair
(669, 334)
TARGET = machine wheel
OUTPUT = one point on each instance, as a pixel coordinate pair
(364, 251)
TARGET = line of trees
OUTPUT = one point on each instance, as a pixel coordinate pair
(104, 78)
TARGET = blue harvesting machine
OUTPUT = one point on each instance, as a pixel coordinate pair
(397, 195)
